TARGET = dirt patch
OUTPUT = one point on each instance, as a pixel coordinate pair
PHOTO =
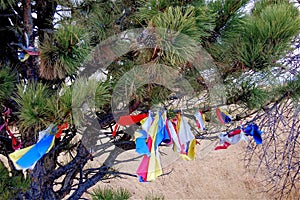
(218, 175)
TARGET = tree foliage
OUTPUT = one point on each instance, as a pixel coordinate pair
(10, 186)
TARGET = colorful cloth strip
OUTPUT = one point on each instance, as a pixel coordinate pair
(16, 144)
(231, 138)
(223, 116)
(27, 158)
(186, 139)
(155, 132)
(128, 120)
(200, 120)
(254, 131)
(60, 128)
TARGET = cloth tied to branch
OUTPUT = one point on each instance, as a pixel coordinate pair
(223, 116)
(155, 132)
(253, 130)
(200, 120)
(186, 139)
(16, 144)
(128, 120)
(231, 138)
(27, 158)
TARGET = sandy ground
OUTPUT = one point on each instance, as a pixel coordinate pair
(212, 175)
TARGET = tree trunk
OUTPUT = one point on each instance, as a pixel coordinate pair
(40, 186)
(45, 16)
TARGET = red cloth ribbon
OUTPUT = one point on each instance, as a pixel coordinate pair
(227, 144)
(16, 144)
(61, 128)
(235, 132)
(131, 119)
(127, 120)
(224, 146)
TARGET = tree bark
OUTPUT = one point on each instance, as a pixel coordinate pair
(27, 18)
(40, 188)
(45, 15)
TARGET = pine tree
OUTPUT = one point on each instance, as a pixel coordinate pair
(186, 55)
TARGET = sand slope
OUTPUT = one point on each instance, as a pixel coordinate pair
(218, 175)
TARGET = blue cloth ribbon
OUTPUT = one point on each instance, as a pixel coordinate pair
(141, 145)
(226, 118)
(162, 133)
(254, 131)
(36, 152)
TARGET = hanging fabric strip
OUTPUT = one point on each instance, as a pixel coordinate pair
(142, 170)
(162, 135)
(141, 142)
(157, 131)
(131, 119)
(200, 120)
(114, 133)
(224, 146)
(190, 151)
(26, 158)
(176, 144)
(15, 156)
(154, 168)
(16, 144)
(227, 139)
(147, 122)
(32, 51)
(128, 120)
(60, 128)
(254, 131)
(187, 140)
(29, 159)
(223, 116)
